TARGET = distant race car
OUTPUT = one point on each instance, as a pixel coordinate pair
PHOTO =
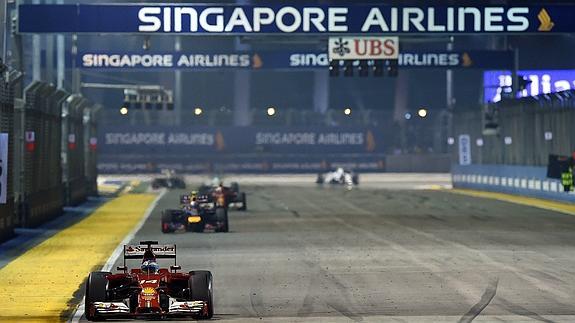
(197, 213)
(168, 182)
(339, 176)
(149, 292)
(224, 196)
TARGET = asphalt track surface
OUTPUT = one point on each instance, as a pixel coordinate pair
(304, 253)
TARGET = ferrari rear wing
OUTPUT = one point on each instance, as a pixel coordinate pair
(161, 251)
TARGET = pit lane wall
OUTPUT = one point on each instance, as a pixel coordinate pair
(517, 180)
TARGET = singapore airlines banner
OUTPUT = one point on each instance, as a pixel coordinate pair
(234, 149)
(293, 19)
(180, 141)
(292, 60)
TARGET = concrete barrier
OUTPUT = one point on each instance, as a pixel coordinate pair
(518, 180)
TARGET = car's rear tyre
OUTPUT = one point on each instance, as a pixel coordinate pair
(204, 190)
(179, 183)
(319, 179)
(222, 219)
(167, 220)
(201, 289)
(235, 187)
(244, 202)
(355, 179)
(196, 227)
(95, 292)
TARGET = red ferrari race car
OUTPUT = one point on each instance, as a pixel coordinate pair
(149, 292)
(227, 197)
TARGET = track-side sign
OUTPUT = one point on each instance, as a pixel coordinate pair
(290, 19)
(161, 141)
(354, 48)
(464, 150)
(291, 60)
(3, 167)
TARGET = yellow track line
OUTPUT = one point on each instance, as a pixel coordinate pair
(39, 285)
(529, 201)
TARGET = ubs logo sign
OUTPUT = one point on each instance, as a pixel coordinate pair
(355, 48)
(341, 47)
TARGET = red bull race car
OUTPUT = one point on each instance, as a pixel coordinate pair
(197, 213)
(149, 292)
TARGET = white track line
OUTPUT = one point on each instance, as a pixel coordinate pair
(117, 252)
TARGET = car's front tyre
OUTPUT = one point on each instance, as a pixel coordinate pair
(95, 292)
(201, 289)
(222, 219)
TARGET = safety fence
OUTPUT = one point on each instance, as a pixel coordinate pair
(518, 132)
(518, 180)
(7, 219)
(50, 165)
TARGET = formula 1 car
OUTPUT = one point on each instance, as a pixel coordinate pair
(150, 292)
(170, 180)
(196, 214)
(226, 197)
(339, 176)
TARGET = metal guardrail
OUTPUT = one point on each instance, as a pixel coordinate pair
(517, 180)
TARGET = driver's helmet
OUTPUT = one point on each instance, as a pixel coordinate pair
(193, 196)
(193, 210)
(149, 263)
(339, 171)
(150, 266)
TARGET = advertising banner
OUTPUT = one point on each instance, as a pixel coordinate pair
(539, 82)
(161, 141)
(3, 167)
(362, 48)
(343, 18)
(289, 60)
(116, 164)
(144, 149)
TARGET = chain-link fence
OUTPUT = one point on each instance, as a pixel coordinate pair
(42, 174)
(528, 131)
(73, 152)
(90, 148)
(51, 161)
(7, 211)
